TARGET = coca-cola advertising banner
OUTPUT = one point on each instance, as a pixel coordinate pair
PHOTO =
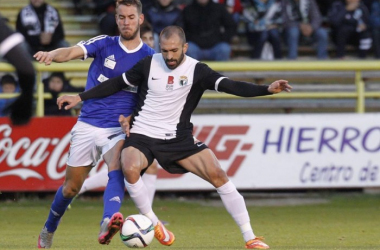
(256, 152)
(33, 157)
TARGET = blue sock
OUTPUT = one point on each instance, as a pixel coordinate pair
(113, 194)
(57, 209)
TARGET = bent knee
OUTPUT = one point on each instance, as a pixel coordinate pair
(218, 177)
(70, 190)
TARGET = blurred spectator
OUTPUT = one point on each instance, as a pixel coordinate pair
(349, 22)
(209, 29)
(146, 34)
(55, 84)
(302, 20)
(8, 85)
(324, 6)
(41, 26)
(234, 7)
(263, 19)
(104, 9)
(160, 14)
(375, 26)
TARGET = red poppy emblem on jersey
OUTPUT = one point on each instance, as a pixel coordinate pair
(169, 85)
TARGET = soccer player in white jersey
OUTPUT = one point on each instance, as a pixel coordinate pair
(97, 132)
(12, 49)
(170, 87)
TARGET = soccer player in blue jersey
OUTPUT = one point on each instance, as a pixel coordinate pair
(97, 132)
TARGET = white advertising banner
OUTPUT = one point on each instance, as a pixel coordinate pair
(288, 151)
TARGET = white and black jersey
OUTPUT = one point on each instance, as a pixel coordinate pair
(168, 97)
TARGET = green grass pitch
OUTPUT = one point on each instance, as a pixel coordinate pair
(341, 222)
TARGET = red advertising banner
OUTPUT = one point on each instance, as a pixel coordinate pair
(33, 157)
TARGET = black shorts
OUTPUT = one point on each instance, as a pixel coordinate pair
(167, 152)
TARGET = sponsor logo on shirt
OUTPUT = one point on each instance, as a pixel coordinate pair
(169, 85)
(110, 62)
(102, 78)
(182, 80)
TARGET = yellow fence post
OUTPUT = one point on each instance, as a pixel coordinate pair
(40, 95)
(360, 100)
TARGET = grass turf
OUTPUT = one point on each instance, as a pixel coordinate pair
(343, 222)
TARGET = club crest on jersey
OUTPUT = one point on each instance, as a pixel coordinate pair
(182, 80)
(169, 85)
(110, 62)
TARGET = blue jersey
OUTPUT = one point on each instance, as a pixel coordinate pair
(111, 59)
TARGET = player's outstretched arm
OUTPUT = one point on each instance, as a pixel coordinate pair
(279, 86)
(247, 89)
(106, 88)
(59, 55)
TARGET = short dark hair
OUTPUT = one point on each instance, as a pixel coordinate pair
(145, 27)
(136, 3)
(168, 31)
(8, 78)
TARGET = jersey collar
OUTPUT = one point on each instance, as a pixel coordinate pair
(133, 50)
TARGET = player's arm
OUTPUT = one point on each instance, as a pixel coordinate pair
(59, 55)
(133, 77)
(106, 88)
(12, 49)
(213, 80)
(247, 89)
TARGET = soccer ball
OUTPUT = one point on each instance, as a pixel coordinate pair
(137, 231)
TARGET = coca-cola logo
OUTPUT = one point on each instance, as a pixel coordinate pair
(31, 154)
(34, 154)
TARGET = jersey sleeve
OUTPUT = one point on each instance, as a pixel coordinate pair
(138, 73)
(208, 78)
(212, 80)
(92, 46)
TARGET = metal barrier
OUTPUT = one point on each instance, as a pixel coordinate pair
(238, 66)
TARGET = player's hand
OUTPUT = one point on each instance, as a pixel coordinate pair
(125, 124)
(71, 100)
(44, 57)
(279, 86)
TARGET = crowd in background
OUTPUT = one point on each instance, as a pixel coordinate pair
(270, 27)
(274, 29)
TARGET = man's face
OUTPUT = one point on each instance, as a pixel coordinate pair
(173, 51)
(148, 38)
(128, 21)
(8, 88)
(56, 84)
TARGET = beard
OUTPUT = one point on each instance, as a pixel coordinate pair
(178, 62)
(129, 37)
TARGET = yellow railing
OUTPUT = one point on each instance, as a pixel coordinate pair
(349, 66)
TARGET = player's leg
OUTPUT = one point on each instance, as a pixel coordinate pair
(133, 162)
(205, 165)
(112, 219)
(149, 178)
(83, 155)
(75, 177)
